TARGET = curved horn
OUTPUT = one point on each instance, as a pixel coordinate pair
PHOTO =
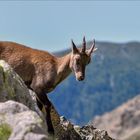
(84, 45)
(92, 47)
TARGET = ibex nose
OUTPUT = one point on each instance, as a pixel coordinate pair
(81, 78)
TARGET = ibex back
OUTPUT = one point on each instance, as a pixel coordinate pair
(41, 71)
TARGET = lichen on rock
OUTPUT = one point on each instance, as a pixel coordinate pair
(5, 131)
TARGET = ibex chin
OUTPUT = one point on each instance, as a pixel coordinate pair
(42, 72)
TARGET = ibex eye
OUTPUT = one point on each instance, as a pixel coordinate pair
(78, 62)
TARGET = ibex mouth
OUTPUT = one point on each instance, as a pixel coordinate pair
(81, 78)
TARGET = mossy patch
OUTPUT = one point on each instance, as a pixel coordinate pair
(6, 84)
(5, 131)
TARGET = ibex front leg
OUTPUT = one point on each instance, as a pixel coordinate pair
(42, 100)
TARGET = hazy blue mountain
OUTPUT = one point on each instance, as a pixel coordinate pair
(112, 78)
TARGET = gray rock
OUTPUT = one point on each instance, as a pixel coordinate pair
(25, 118)
(87, 132)
(25, 123)
(12, 87)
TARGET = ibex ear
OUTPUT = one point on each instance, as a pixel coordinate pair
(74, 49)
(92, 49)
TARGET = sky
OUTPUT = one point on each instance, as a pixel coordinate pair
(50, 25)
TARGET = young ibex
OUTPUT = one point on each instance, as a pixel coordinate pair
(42, 72)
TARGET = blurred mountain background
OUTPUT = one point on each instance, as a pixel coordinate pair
(112, 78)
(122, 123)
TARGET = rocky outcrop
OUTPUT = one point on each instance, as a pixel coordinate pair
(12, 87)
(20, 118)
(25, 124)
(122, 123)
(18, 108)
(87, 132)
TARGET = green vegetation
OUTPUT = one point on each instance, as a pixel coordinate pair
(5, 131)
(112, 78)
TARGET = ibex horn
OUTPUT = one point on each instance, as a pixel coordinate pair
(84, 45)
(92, 47)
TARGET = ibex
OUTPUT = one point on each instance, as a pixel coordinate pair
(42, 72)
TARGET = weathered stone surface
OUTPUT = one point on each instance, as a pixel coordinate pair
(26, 120)
(12, 87)
(86, 132)
(19, 111)
(25, 124)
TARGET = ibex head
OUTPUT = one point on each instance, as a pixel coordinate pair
(80, 58)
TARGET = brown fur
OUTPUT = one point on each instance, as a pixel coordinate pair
(34, 66)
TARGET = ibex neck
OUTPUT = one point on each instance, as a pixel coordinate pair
(63, 68)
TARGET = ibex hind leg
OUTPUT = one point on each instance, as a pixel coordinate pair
(43, 99)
